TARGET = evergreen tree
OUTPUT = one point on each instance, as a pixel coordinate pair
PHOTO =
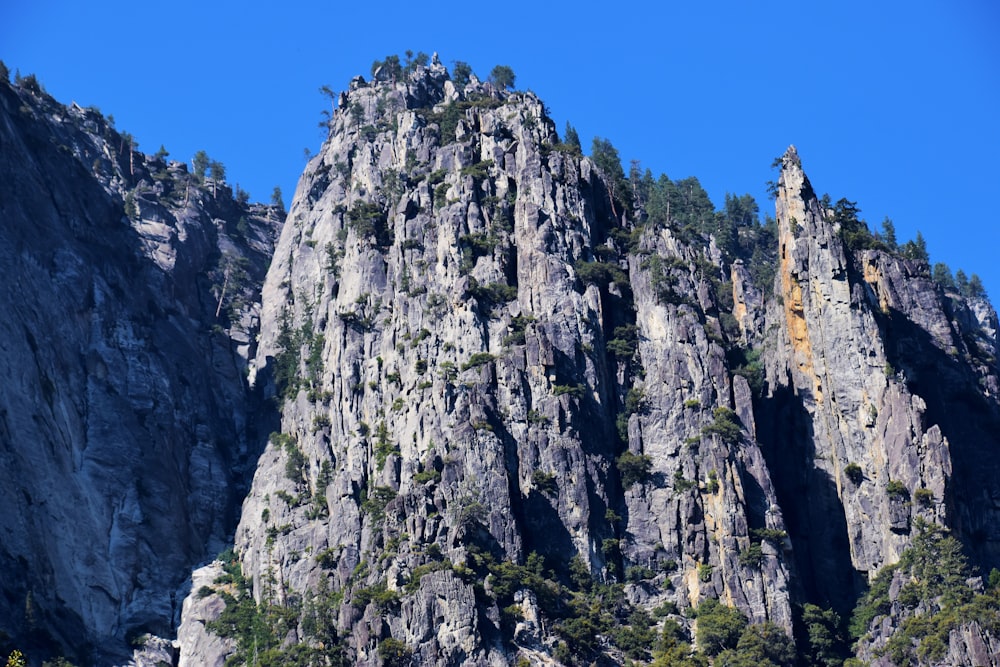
(391, 68)
(916, 249)
(719, 626)
(605, 156)
(889, 233)
(200, 163)
(328, 92)
(217, 170)
(572, 139)
(414, 61)
(941, 274)
(741, 211)
(976, 288)
(827, 643)
(502, 77)
(691, 206)
(276, 199)
(764, 645)
(658, 206)
(218, 173)
(961, 282)
(461, 74)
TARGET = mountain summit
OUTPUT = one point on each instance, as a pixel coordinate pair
(526, 409)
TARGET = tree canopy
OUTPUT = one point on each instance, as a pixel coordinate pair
(461, 74)
(502, 77)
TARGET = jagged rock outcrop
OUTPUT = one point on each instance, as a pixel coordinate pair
(855, 339)
(524, 408)
(123, 414)
(461, 373)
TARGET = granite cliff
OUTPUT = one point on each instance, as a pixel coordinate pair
(522, 408)
(524, 417)
(124, 429)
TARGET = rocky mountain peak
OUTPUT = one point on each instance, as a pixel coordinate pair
(501, 403)
(519, 405)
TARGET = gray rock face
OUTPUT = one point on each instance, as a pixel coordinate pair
(460, 375)
(511, 402)
(857, 340)
(123, 415)
(470, 363)
(201, 648)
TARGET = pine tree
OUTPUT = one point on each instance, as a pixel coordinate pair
(502, 77)
(889, 233)
(461, 74)
(218, 172)
(200, 163)
(573, 139)
(276, 199)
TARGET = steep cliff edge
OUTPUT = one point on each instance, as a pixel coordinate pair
(495, 414)
(881, 370)
(525, 409)
(525, 416)
(123, 413)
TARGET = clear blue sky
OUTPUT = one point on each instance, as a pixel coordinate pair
(895, 105)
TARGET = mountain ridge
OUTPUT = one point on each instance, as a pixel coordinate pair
(534, 410)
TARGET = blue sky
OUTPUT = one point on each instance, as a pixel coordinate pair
(891, 104)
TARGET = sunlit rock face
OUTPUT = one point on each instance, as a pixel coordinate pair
(484, 400)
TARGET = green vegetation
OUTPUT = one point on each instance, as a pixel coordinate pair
(763, 645)
(369, 221)
(601, 273)
(571, 142)
(473, 247)
(545, 482)
(634, 468)
(393, 652)
(427, 476)
(898, 490)
(623, 342)
(574, 390)
(712, 485)
(260, 629)
(925, 497)
(634, 403)
(379, 595)
(719, 626)
(276, 199)
(478, 171)
(461, 74)
(375, 502)
(932, 580)
(502, 77)
(478, 359)
(384, 448)
(199, 165)
(288, 363)
(748, 364)
(853, 472)
(606, 157)
(491, 294)
(295, 463)
(772, 535)
(681, 483)
(518, 325)
(726, 425)
(752, 556)
(826, 644)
